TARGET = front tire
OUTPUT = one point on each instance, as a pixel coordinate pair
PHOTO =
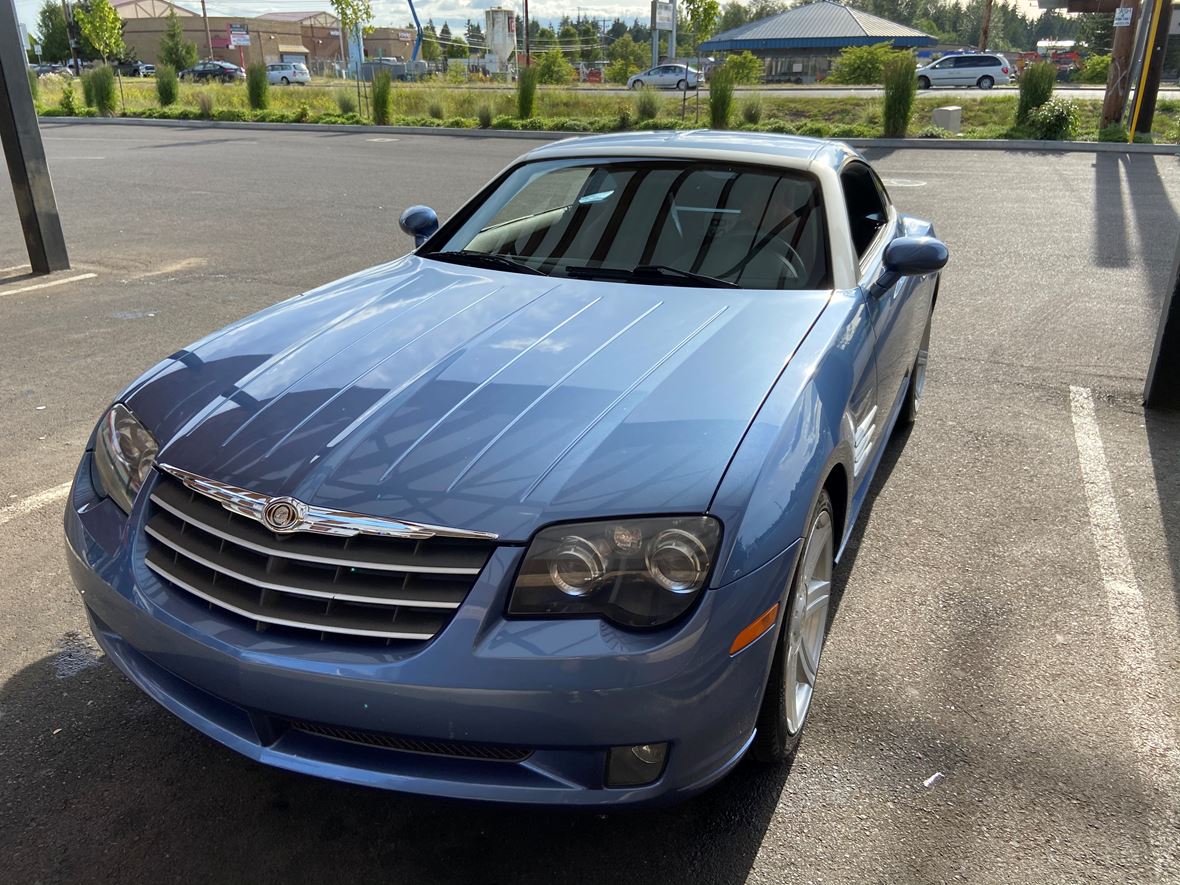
(638, 84)
(986, 83)
(286, 82)
(913, 396)
(923, 82)
(801, 640)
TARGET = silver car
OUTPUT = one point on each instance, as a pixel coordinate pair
(287, 73)
(666, 77)
(974, 69)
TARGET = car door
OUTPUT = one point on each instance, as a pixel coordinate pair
(940, 72)
(873, 223)
(967, 70)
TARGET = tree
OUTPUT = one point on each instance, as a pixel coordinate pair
(430, 47)
(51, 31)
(458, 47)
(553, 68)
(861, 64)
(745, 68)
(101, 25)
(1096, 30)
(702, 17)
(734, 15)
(354, 17)
(174, 49)
(629, 52)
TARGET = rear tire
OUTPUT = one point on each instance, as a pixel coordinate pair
(682, 85)
(923, 82)
(286, 82)
(800, 643)
(638, 84)
(986, 83)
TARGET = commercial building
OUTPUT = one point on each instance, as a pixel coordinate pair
(800, 44)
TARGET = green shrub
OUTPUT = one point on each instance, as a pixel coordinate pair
(435, 109)
(934, 132)
(1036, 88)
(98, 90)
(552, 68)
(505, 122)
(861, 64)
(647, 104)
(484, 115)
(624, 121)
(745, 67)
(231, 115)
(345, 101)
(526, 93)
(752, 110)
(815, 129)
(1095, 69)
(780, 126)
(720, 99)
(1116, 132)
(619, 71)
(167, 88)
(205, 105)
(382, 98)
(1055, 120)
(900, 87)
(257, 87)
(851, 130)
(458, 123)
(34, 86)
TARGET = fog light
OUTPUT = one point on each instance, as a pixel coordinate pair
(635, 765)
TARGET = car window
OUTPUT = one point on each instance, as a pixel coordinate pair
(749, 226)
(864, 201)
(968, 61)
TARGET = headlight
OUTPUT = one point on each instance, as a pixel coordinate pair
(633, 572)
(123, 455)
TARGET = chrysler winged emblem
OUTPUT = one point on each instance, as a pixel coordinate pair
(284, 514)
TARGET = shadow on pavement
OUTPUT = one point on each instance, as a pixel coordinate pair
(101, 784)
(1163, 443)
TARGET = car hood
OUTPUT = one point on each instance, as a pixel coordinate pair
(478, 399)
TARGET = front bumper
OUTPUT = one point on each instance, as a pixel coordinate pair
(564, 690)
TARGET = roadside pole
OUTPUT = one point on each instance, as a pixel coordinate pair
(65, 9)
(25, 154)
(1158, 41)
(985, 28)
(1163, 374)
(1126, 17)
(527, 57)
(208, 36)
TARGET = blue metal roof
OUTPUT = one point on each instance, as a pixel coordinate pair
(817, 25)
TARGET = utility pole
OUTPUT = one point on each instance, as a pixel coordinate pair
(25, 154)
(208, 36)
(527, 58)
(1158, 41)
(1119, 78)
(986, 27)
(65, 8)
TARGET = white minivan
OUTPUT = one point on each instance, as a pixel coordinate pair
(287, 73)
(968, 69)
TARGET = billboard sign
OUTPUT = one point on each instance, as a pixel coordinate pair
(662, 15)
(239, 35)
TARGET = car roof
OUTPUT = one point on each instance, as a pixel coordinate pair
(786, 150)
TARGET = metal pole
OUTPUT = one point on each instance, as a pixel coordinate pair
(672, 39)
(528, 59)
(1163, 375)
(208, 36)
(1151, 83)
(25, 154)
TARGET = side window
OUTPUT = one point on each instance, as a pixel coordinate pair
(864, 200)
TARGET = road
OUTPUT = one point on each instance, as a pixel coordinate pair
(1084, 93)
(998, 699)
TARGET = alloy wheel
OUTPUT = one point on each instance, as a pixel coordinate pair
(807, 621)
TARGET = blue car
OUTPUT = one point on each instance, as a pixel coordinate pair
(543, 512)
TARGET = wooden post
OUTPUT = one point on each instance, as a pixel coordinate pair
(985, 29)
(1118, 80)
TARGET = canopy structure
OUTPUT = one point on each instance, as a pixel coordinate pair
(824, 24)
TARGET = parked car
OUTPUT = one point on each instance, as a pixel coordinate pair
(666, 77)
(287, 73)
(977, 69)
(204, 71)
(134, 68)
(507, 518)
(43, 69)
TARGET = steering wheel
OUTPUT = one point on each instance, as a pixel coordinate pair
(791, 261)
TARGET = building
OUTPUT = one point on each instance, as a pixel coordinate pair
(799, 45)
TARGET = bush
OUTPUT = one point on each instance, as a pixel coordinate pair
(205, 105)
(69, 99)
(624, 121)
(34, 86)
(900, 87)
(167, 87)
(1116, 132)
(861, 64)
(745, 67)
(1055, 120)
(619, 71)
(257, 87)
(484, 115)
(815, 129)
(98, 89)
(934, 132)
(1095, 69)
(345, 101)
(720, 99)
(647, 104)
(752, 111)
(552, 68)
(382, 98)
(526, 93)
(1036, 88)
(435, 110)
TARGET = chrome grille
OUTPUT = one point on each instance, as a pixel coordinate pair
(491, 752)
(361, 586)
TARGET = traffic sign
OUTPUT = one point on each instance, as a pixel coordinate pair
(1122, 16)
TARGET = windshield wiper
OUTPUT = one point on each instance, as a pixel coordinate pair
(486, 259)
(650, 273)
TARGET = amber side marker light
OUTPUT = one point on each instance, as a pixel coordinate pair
(764, 622)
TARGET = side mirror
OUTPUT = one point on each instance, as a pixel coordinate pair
(420, 222)
(908, 257)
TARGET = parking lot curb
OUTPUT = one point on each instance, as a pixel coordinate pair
(1097, 147)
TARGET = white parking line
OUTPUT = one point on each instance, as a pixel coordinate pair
(33, 503)
(63, 281)
(1151, 729)
(14, 267)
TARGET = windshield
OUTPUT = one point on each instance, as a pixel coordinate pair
(670, 222)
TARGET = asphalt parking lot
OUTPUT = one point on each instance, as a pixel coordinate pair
(999, 696)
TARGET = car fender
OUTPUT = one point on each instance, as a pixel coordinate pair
(803, 431)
